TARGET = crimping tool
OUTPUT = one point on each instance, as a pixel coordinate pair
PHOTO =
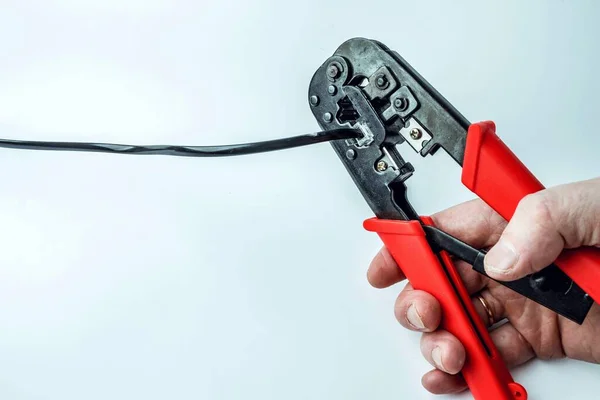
(366, 86)
(367, 100)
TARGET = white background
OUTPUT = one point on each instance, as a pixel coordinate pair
(127, 277)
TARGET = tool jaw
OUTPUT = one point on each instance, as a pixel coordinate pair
(366, 86)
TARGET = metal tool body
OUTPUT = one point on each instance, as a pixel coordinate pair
(365, 85)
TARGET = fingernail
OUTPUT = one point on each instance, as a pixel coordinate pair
(414, 318)
(502, 258)
(436, 355)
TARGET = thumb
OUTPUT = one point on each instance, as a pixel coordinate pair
(544, 224)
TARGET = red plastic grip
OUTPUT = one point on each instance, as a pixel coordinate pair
(493, 172)
(484, 370)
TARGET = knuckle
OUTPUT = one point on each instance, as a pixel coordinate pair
(535, 231)
(538, 207)
(539, 220)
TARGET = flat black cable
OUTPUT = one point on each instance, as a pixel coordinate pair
(188, 151)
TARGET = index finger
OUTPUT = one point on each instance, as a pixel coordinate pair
(384, 271)
(473, 222)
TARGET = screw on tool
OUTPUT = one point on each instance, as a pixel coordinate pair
(416, 133)
(381, 166)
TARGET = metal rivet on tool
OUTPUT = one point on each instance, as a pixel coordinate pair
(401, 103)
(333, 71)
(381, 166)
(350, 154)
(332, 90)
(415, 133)
(381, 81)
(327, 117)
(314, 100)
(586, 296)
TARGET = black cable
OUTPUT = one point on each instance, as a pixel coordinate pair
(187, 151)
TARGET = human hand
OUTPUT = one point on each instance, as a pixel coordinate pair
(545, 223)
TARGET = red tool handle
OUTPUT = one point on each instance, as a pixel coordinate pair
(499, 178)
(484, 370)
